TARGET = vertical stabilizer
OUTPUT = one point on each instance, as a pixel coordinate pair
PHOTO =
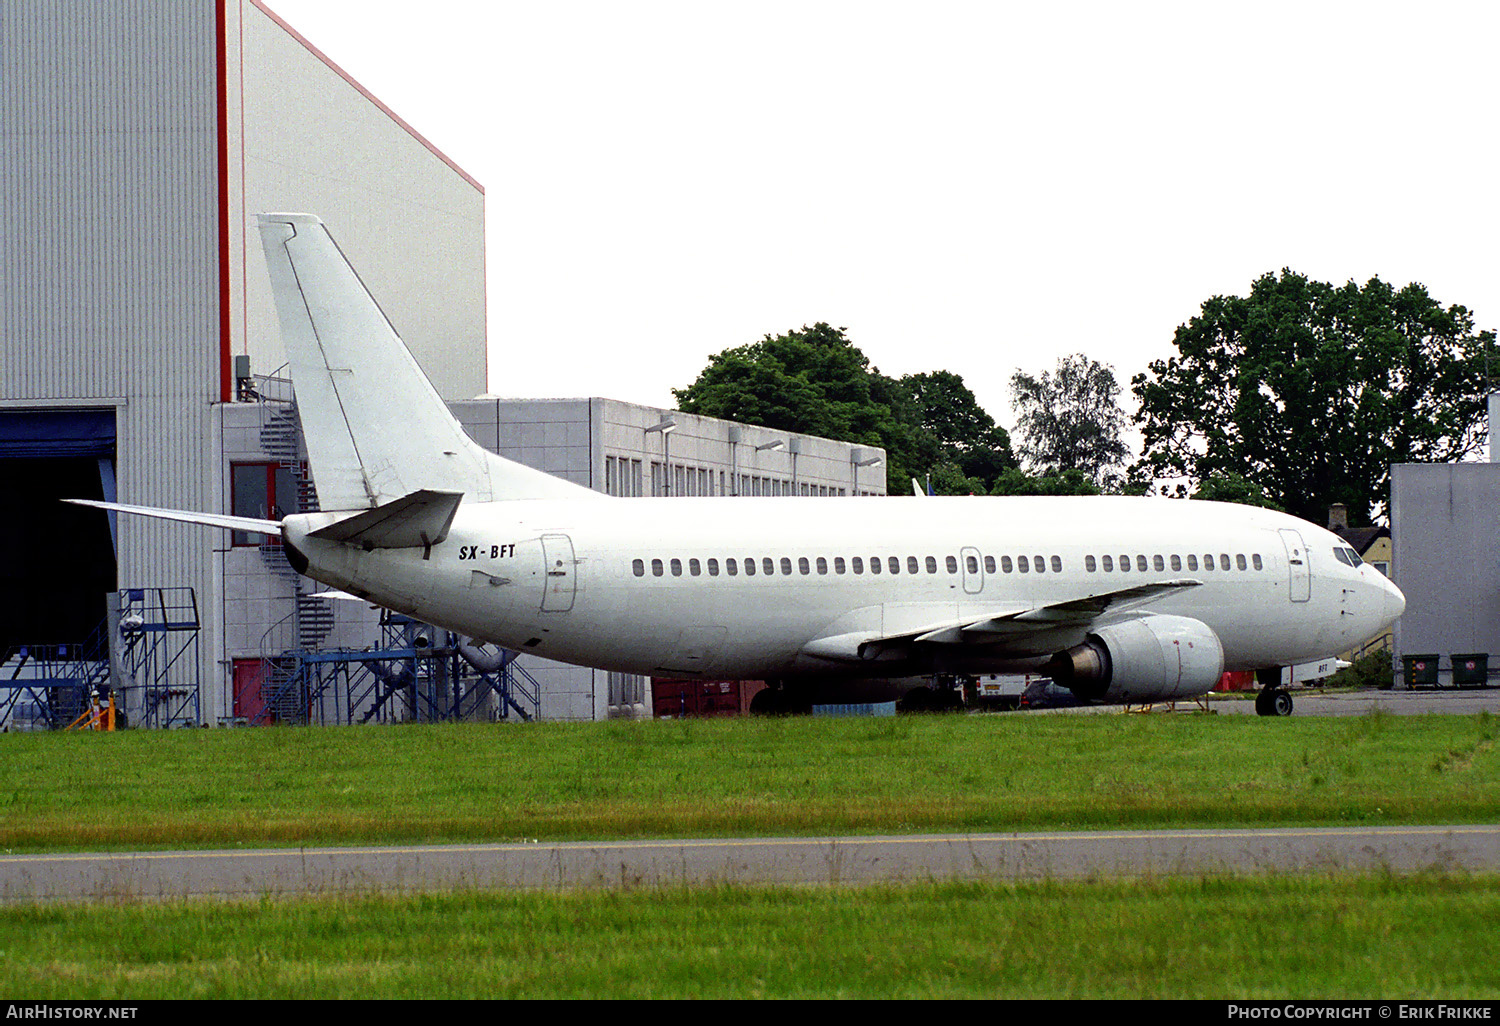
(376, 429)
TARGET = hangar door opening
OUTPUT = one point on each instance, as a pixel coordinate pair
(59, 559)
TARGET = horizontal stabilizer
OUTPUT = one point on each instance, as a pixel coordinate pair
(419, 519)
(251, 525)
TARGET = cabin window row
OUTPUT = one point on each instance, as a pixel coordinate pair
(1159, 564)
(822, 565)
(768, 566)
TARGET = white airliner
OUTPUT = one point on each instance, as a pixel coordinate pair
(1122, 600)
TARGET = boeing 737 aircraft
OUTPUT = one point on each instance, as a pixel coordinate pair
(1122, 600)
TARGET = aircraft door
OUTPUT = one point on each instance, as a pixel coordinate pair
(1300, 574)
(560, 568)
(971, 566)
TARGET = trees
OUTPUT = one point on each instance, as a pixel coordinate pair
(1071, 420)
(815, 381)
(1308, 392)
(969, 440)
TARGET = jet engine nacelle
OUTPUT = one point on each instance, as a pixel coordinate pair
(1152, 659)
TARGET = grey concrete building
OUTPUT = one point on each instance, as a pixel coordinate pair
(1445, 534)
(140, 351)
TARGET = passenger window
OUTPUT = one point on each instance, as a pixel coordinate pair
(895, 565)
(874, 564)
(989, 564)
(857, 564)
(713, 568)
(732, 566)
(676, 567)
(695, 568)
(972, 564)
(768, 566)
(1255, 559)
(1109, 565)
(1124, 563)
(749, 566)
(1223, 561)
(1005, 564)
(786, 565)
(932, 564)
(1040, 564)
(638, 567)
(1208, 561)
(1158, 564)
(1192, 561)
(838, 564)
(951, 562)
(1023, 564)
(1090, 564)
(656, 568)
(1239, 561)
(1057, 564)
(1140, 563)
(1176, 563)
(911, 565)
(822, 565)
(803, 567)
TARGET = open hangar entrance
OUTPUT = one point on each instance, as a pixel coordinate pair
(59, 559)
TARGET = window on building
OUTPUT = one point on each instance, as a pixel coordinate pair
(265, 491)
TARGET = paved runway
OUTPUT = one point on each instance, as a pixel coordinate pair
(1311, 702)
(843, 860)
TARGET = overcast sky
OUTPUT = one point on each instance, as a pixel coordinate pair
(967, 186)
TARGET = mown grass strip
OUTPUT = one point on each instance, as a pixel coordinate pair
(470, 782)
(1281, 938)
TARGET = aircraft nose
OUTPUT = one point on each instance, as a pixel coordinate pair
(1393, 604)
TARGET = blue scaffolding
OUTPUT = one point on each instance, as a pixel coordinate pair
(145, 652)
(415, 674)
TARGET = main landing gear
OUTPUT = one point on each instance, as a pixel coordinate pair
(1273, 702)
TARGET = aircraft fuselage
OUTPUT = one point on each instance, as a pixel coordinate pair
(740, 588)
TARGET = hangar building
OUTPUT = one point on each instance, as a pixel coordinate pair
(140, 354)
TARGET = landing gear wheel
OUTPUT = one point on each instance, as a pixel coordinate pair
(1273, 702)
(767, 702)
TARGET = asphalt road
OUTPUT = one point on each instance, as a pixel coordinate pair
(840, 860)
(1311, 702)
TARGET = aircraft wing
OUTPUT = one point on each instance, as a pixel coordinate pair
(1011, 626)
(229, 523)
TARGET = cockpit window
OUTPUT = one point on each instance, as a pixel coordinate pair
(1347, 556)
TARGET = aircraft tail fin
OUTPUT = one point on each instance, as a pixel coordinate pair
(376, 429)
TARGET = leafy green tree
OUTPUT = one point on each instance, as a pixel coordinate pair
(967, 436)
(1068, 482)
(1071, 420)
(1233, 488)
(1309, 392)
(815, 381)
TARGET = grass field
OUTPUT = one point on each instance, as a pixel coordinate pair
(1264, 938)
(1271, 937)
(446, 783)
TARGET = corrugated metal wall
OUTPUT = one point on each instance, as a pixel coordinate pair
(109, 246)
